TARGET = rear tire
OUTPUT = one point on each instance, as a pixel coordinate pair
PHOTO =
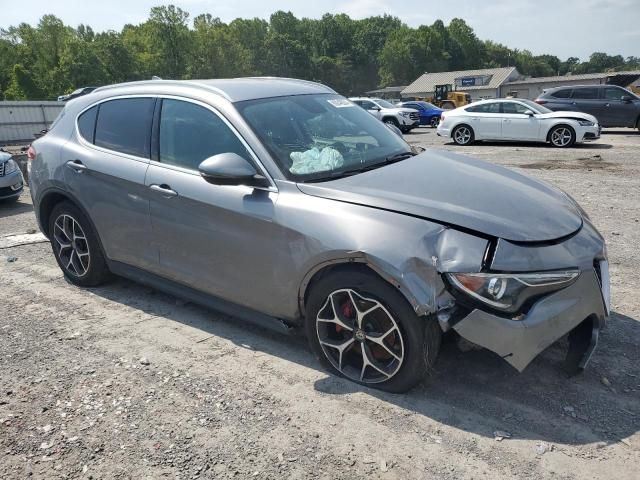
(76, 247)
(463, 135)
(346, 340)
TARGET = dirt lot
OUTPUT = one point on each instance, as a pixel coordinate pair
(126, 382)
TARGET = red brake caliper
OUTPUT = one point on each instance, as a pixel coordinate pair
(347, 312)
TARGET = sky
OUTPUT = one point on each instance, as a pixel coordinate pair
(560, 27)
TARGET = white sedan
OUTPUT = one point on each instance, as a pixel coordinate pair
(517, 120)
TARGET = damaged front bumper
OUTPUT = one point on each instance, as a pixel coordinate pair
(579, 308)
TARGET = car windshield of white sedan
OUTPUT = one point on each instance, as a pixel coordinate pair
(318, 137)
(536, 107)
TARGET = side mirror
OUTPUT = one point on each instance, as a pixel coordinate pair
(529, 112)
(626, 98)
(231, 169)
(375, 109)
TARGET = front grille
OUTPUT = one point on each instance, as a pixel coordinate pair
(415, 116)
(2, 169)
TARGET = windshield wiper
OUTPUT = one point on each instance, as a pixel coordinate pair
(354, 171)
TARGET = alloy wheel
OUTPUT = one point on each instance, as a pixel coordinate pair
(561, 137)
(71, 245)
(462, 135)
(359, 337)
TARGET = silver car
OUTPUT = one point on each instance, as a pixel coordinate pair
(11, 183)
(278, 199)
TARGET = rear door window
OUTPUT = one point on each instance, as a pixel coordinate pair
(493, 107)
(124, 125)
(87, 124)
(190, 133)
(585, 93)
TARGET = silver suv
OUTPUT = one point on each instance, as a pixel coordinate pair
(277, 199)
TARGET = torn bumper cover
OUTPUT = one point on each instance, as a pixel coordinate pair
(579, 308)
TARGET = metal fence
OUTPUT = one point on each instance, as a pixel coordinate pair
(21, 121)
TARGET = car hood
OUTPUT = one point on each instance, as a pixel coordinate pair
(461, 192)
(577, 115)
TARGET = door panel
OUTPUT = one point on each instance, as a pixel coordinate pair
(111, 189)
(614, 112)
(487, 126)
(517, 126)
(216, 239)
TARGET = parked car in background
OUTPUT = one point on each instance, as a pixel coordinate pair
(517, 120)
(279, 200)
(11, 183)
(613, 106)
(429, 113)
(76, 93)
(406, 119)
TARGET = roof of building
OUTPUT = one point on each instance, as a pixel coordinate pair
(381, 91)
(426, 83)
(574, 78)
(239, 89)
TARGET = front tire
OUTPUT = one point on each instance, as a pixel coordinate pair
(362, 328)
(434, 122)
(463, 135)
(562, 136)
(76, 247)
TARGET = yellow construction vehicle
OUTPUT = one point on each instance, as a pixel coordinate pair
(447, 98)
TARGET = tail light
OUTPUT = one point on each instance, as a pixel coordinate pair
(31, 153)
(442, 117)
(540, 102)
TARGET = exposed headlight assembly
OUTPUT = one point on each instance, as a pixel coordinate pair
(510, 291)
(586, 123)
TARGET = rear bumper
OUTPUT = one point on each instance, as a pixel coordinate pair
(579, 306)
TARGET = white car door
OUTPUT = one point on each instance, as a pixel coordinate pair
(486, 120)
(518, 125)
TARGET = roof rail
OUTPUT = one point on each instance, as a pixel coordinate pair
(194, 83)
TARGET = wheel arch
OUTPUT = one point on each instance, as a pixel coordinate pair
(413, 294)
(395, 121)
(54, 196)
(562, 123)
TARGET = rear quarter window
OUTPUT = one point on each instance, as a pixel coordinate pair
(87, 124)
(564, 93)
(124, 125)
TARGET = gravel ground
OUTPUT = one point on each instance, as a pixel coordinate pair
(126, 382)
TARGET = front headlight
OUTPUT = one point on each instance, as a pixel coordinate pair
(510, 291)
(586, 123)
(405, 114)
(10, 167)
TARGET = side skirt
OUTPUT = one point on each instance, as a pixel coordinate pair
(206, 300)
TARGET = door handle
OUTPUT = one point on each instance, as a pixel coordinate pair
(607, 104)
(506, 120)
(164, 190)
(76, 165)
